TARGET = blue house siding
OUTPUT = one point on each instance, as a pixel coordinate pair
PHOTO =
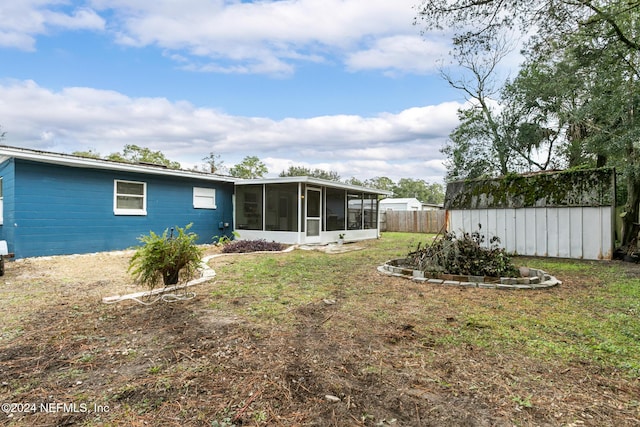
(7, 172)
(64, 210)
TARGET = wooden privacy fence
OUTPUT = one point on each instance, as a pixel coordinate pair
(412, 221)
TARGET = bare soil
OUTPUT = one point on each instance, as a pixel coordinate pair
(187, 364)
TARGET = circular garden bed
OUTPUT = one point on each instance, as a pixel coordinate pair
(530, 278)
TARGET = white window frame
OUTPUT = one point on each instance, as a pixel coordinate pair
(204, 198)
(120, 211)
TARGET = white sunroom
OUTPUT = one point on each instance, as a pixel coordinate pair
(305, 210)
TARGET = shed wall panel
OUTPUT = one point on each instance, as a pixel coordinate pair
(520, 231)
(564, 233)
(491, 224)
(510, 226)
(576, 227)
(530, 230)
(551, 235)
(500, 225)
(573, 232)
(540, 234)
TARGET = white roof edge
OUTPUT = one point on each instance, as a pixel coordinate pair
(312, 180)
(89, 163)
(401, 199)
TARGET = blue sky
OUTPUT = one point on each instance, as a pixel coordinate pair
(344, 85)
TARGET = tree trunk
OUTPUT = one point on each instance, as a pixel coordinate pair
(632, 208)
(601, 160)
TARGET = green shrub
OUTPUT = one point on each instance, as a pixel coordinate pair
(166, 258)
(225, 240)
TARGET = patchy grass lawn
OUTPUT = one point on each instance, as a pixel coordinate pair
(309, 338)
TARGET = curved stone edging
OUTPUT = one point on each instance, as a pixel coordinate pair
(537, 279)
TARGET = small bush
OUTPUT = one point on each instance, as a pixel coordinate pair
(463, 255)
(163, 257)
(242, 246)
(225, 240)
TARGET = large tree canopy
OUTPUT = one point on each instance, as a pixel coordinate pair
(478, 22)
(574, 101)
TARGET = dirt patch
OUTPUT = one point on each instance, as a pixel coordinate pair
(186, 363)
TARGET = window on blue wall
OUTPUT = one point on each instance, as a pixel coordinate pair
(130, 198)
(204, 198)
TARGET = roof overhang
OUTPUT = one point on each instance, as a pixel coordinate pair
(313, 181)
(7, 152)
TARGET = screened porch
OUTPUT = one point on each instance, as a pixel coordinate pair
(305, 210)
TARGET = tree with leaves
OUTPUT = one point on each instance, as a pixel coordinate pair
(251, 167)
(405, 187)
(89, 154)
(381, 183)
(584, 56)
(315, 173)
(481, 120)
(469, 154)
(420, 189)
(586, 86)
(213, 163)
(491, 139)
(355, 181)
(135, 154)
(132, 154)
(477, 23)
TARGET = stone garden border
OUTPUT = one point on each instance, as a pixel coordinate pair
(532, 278)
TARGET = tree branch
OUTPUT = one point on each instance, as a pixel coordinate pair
(609, 19)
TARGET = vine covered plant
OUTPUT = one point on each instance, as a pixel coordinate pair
(464, 255)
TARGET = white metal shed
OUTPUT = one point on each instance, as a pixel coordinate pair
(567, 214)
(401, 204)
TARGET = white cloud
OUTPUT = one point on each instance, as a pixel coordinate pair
(279, 23)
(400, 54)
(80, 19)
(22, 21)
(262, 37)
(406, 144)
